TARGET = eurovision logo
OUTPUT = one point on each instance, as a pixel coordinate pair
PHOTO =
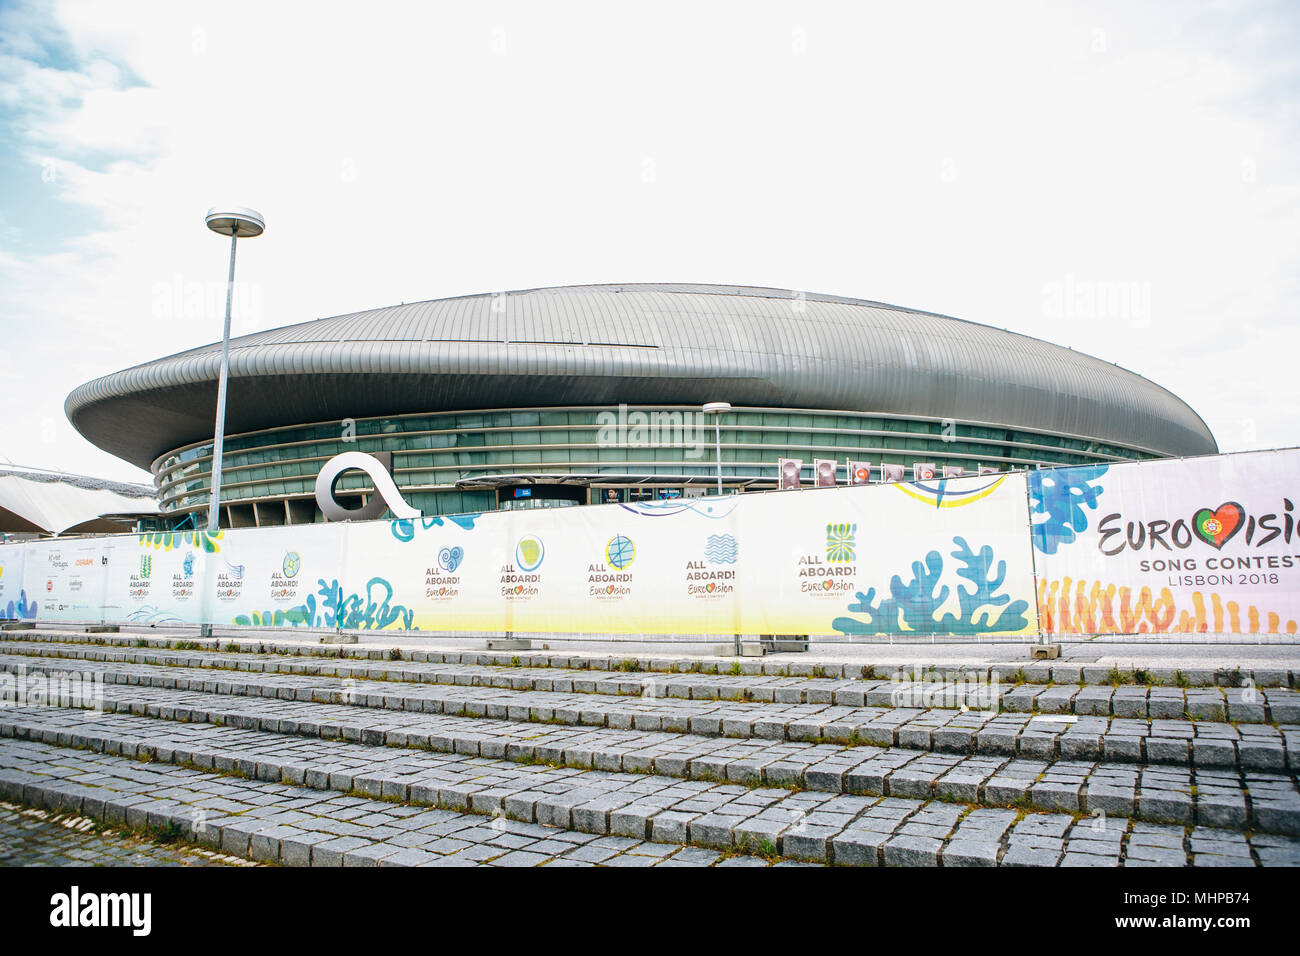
(183, 583)
(612, 579)
(284, 586)
(441, 583)
(1216, 527)
(518, 581)
(230, 583)
(830, 573)
(705, 582)
(1212, 526)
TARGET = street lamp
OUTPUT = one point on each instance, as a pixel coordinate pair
(237, 223)
(717, 409)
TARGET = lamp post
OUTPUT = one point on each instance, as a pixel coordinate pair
(237, 223)
(716, 409)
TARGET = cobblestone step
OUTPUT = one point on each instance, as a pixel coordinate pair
(279, 812)
(1266, 801)
(30, 836)
(1176, 742)
(696, 666)
(1241, 705)
(272, 822)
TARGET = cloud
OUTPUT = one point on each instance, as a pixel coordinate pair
(940, 157)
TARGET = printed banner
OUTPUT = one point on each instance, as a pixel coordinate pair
(14, 603)
(943, 557)
(946, 557)
(1194, 545)
(64, 579)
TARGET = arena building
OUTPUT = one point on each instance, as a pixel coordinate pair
(585, 394)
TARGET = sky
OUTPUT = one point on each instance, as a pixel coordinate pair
(1121, 178)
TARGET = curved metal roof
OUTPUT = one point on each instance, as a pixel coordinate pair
(639, 344)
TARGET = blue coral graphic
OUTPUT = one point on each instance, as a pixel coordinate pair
(371, 612)
(404, 528)
(1062, 494)
(913, 608)
(22, 610)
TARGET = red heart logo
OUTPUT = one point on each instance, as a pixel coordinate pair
(826, 585)
(519, 589)
(1217, 526)
(609, 589)
(711, 587)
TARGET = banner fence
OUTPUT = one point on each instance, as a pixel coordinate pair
(1205, 545)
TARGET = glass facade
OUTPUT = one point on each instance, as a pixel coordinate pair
(473, 461)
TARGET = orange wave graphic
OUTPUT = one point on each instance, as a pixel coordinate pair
(1074, 607)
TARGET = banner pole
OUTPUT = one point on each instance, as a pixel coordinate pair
(1033, 562)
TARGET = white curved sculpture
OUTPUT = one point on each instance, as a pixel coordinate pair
(386, 491)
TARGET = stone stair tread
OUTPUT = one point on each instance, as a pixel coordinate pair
(292, 825)
(752, 762)
(677, 760)
(1283, 704)
(290, 779)
(1034, 672)
(1253, 747)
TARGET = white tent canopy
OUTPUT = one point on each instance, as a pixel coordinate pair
(53, 503)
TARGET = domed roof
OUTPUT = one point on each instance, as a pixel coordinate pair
(637, 344)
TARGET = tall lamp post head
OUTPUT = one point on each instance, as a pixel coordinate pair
(237, 222)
